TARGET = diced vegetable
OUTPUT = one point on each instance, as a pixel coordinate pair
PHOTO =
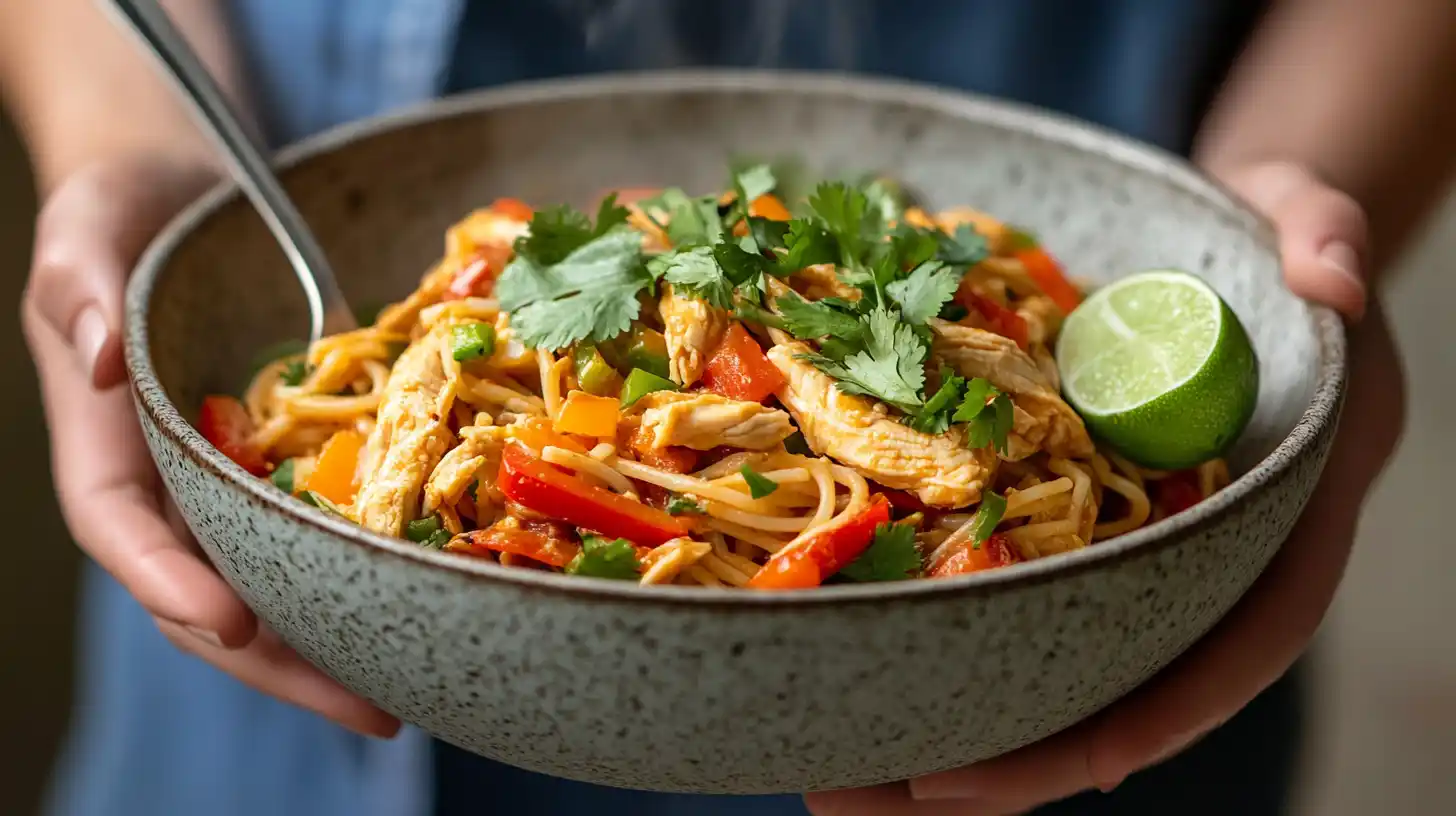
(1042, 268)
(641, 383)
(646, 349)
(824, 552)
(999, 319)
(900, 500)
(606, 558)
(738, 368)
(421, 529)
(683, 505)
(998, 551)
(536, 433)
(224, 422)
(759, 485)
(593, 374)
(282, 477)
(769, 206)
(535, 485)
(546, 542)
(587, 415)
(472, 341)
(333, 473)
(468, 281)
(674, 458)
(513, 208)
(1178, 491)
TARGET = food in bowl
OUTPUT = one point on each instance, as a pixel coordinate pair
(718, 391)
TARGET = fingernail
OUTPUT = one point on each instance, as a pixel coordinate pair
(951, 785)
(1341, 258)
(204, 636)
(88, 335)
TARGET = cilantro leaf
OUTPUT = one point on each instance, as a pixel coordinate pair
(679, 505)
(935, 416)
(889, 367)
(886, 198)
(924, 291)
(758, 484)
(690, 221)
(964, 247)
(283, 475)
(914, 247)
(797, 444)
(845, 212)
(988, 413)
(558, 231)
(808, 244)
(590, 294)
(294, 373)
(810, 320)
(751, 312)
(978, 391)
(742, 267)
(603, 558)
(988, 515)
(767, 233)
(892, 556)
(695, 273)
(754, 182)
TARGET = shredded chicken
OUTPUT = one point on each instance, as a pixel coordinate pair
(821, 281)
(1043, 420)
(940, 470)
(411, 433)
(706, 421)
(692, 329)
(479, 452)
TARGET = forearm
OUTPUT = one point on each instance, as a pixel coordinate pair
(81, 90)
(1363, 92)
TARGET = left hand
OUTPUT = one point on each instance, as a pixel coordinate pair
(1323, 239)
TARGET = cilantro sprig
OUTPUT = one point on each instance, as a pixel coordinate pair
(571, 281)
(888, 362)
(893, 555)
(759, 485)
(606, 558)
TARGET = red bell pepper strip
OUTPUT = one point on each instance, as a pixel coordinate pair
(997, 551)
(999, 319)
(738, 368)
(544, 542)
(1044, 270)
(537, 486)
(225, 423)
(900, 500)
(825, 552)
(1178, 491)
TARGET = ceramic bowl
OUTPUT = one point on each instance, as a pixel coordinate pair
(679, 689)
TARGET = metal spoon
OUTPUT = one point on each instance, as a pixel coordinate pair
(329, 313)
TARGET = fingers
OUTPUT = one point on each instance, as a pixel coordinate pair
(270, 666)
(1323, 233)
(110, 495)
(87, 238)
(895, 800)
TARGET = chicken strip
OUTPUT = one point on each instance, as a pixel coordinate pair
(707, 421)
(692, 329)
(1043, 420)
(479, 452)
(941, 470)
(411, 433)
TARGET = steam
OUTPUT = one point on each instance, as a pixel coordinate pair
(654, 33)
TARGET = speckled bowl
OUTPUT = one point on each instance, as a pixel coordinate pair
(713, 691)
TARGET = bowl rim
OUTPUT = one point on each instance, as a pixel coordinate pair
(1047, 126)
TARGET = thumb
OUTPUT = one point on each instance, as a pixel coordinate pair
(1323, 233)
(89, 233)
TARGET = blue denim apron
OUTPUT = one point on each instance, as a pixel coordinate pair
(157, 732)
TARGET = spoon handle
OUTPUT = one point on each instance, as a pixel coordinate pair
(329, 312)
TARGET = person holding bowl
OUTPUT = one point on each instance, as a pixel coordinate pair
(1330, 117)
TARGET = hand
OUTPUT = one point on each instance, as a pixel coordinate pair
(89, 234)
(1323, 239)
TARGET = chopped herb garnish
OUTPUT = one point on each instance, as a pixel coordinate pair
(603, 558)
(317, 500)
(921, 294)
(767, 233)
(282, 476)
(590, 293)
(935, 416)
(690, 221)
(295, 372)
(886, 198)
(712, 274)
(473, 491)
(812, 319)
(472, 341)
(758, 484)
(988, 414)
(557, 232)
(420, 530)
(808, 244)
(751, 312)
(893, 555)
(754, 182)
(797, 444)
(988, 515)
(953, 312)
(1019, 239)
(964, 247)
(890, 365)
(680, 505)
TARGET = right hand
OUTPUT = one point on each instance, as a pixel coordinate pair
(89, 234)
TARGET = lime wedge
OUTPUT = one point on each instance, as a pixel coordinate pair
(1160, 369)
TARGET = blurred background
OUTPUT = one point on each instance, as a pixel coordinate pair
(1384, 723)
